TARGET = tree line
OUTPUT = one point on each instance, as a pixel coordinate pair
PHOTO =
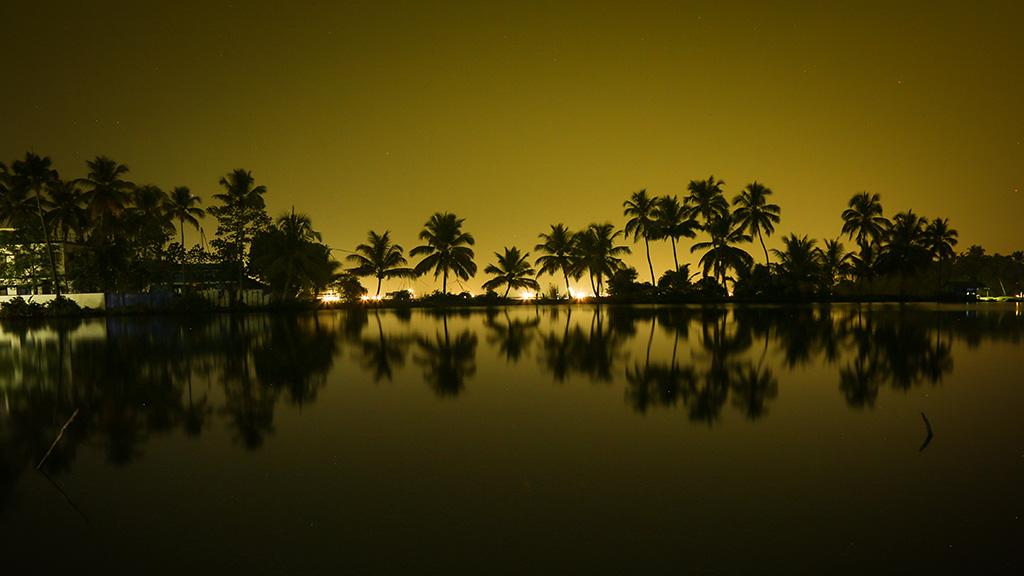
(103, 232)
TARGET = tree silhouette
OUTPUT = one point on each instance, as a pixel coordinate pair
(513, 270)
(597, 254)
(863, 220)
(642, 210)
(107, 193)
(37, 174)
(720, 253)
(940, 239)
(379, 258)
(799, 263)
(754, 214)
(446, 249)
(183, 206)
(674, 222)
(557, 246)
(706, 201)
(241, 215)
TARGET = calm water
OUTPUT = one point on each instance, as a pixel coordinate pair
(528, 440)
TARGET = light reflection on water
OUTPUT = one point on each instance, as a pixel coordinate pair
(555, 438)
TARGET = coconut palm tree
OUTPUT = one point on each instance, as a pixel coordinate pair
(940, 240)
(706, 201)
(720, 253)
(36, 173)
(240, 216)
(182, 205)
(642, 210)
(674, 222)
(863, 220)
(598, 255)
(513, 270)
(380, 258)
(835, 263)
(66, 215)
(289, 255)
(905, 251)
(446, 249)
(798, 262)
(755, 214)
(107, 193)
(557, 246)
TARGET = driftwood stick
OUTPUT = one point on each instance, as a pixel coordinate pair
(57, 439)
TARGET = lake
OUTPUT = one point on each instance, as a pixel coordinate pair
(562, 440)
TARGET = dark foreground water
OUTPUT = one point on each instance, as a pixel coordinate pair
(520, 441)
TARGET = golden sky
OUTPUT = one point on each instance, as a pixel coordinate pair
(517, 115)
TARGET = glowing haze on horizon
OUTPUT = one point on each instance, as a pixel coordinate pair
(518, 115)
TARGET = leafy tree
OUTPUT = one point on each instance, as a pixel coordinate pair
(513, 270)
(557, 246)
(905, 251)
(642, 210)
(835, 263)
(446, 249)
(241, 215)
(755, 214)
(380, 258)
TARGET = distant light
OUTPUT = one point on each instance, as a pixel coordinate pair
(330, 297)
(527, 295)
(368, 298)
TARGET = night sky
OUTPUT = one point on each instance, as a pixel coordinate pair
(517, 115)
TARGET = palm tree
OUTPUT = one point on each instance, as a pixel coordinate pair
(720, 253)
(36, 173)
(240, 216)
(513, 271)
(380, 258)
(674, 222)
(643, 223)
(905, 251)
(835, 263)
(557, 246)
(864, 221)
(289, 251)
(66, 215)
(446, 249)
(799, 262)
(182, 205)
(107, 193)
(755, 214)
(705, 200)
(598, 255)
(940, 240)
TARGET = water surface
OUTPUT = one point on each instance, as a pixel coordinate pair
(522, 440)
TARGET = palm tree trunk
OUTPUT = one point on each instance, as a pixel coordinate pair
(181, 226)
(647, 246)
(592, 285)
(378, 285)
(444, 284)
(675, 259)
(49, 248)
(568, 290)
(763, 247)
(507, 288)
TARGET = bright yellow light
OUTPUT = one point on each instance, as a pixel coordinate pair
(368, 298)
(330, 297)
(527, 296)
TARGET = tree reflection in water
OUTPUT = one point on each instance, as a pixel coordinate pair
(133, 378)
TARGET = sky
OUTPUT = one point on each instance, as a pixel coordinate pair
(518, 115)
